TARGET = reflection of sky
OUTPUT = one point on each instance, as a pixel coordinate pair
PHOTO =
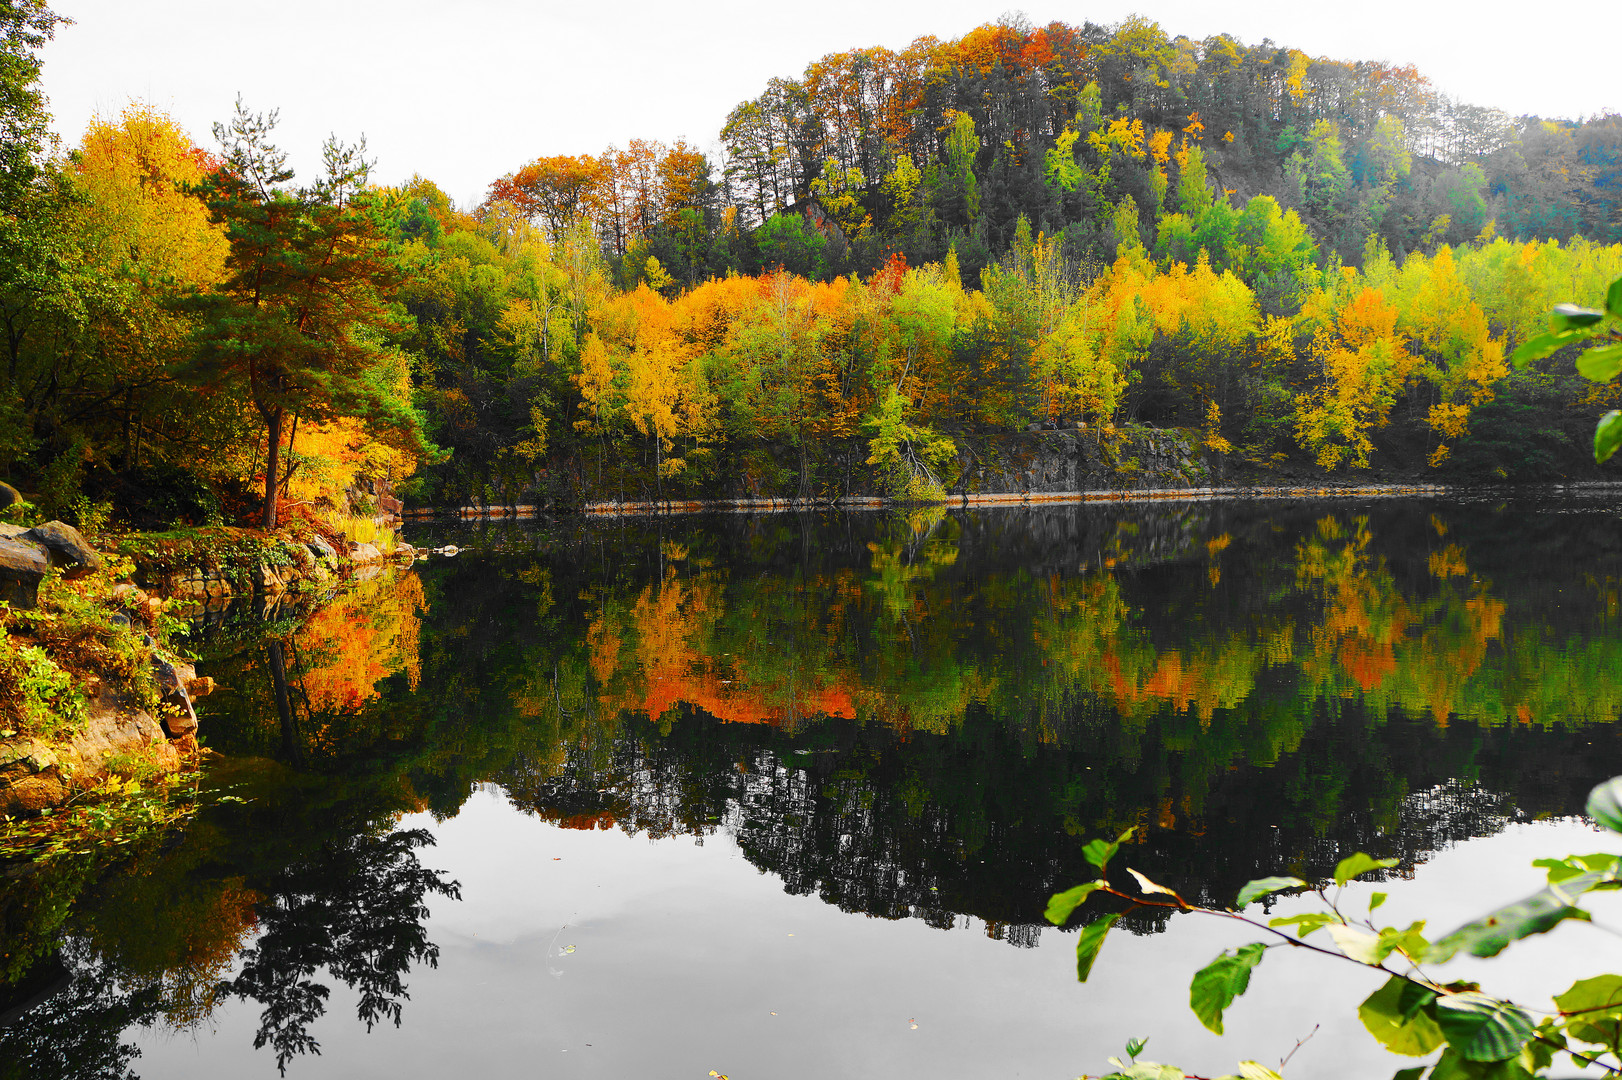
(687, 959)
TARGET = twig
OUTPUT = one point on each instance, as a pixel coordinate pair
(1285, 1060)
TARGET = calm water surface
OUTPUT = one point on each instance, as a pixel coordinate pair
(786, 796)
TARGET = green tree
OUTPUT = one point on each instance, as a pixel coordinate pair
(33, 269)
(25, 26)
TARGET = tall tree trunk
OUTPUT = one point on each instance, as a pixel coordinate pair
(273, 421)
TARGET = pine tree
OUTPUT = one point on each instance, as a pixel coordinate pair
(302, 317)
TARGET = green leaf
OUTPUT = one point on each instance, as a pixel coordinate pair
(1538, 1053)
(1060, 905)
(1481, 1028)
(1410, 942)
(1307, 923)
(1410, 1074)
(1356, 865)
(1250, 1070)
(1572, 317)
(1219, 982)
(1607, 436)
(1092, 939)
(1264, 886)
(1398, 1029)
(1151, 1070)
(1537, 914)
(1415, 999)
(1454, 1066)
(1605, 801)
(1598, 1005)
(1099, 852)
(1134, 1047)
(1601, 364)
(1375, 901)
(1546, 345)
(1613, 298)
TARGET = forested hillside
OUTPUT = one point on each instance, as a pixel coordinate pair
(1320, 264)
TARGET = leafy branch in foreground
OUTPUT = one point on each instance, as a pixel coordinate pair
(1570, 324)
(1414, 1013)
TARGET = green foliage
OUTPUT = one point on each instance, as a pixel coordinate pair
(1605, 804)
(1100, 852)
(1062, 904)
(1481, 1028)
(1413, 1013)
(1573, 325)
(1218, 983)
(1265, 887)
(1357, 865)
(910, 453)
(1396, 1016)
(41, 698)
(1090, 941)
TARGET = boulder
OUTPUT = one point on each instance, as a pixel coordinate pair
(364, 553)
(390, 505)
(11, 532)
(22, 566)
(322, 550)
(9, 496)
(67, 548)
(172, 685)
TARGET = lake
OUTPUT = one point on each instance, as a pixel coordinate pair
(786, 795)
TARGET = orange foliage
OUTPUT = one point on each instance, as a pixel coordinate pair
(358, 641)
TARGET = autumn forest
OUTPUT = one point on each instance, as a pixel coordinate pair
(1314, 265)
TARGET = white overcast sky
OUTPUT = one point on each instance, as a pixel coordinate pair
(463, 91)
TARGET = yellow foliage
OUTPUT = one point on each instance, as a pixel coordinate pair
(327, 458)
(1363, 364)
(134, 171)
(1160, 147)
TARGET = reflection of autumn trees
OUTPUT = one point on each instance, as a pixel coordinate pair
(918, 633)
(352, 645)
(1256, 689)
(332, 668)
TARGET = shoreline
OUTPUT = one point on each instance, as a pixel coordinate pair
(147, 716)
(617, 508)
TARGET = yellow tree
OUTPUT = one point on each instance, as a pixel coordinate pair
(1362, 364)
(143, 237)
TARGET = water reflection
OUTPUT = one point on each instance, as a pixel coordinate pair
(919, 716)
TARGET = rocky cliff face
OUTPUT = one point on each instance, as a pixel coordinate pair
(1053, 462)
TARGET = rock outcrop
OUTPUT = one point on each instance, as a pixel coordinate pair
(22, 568)
(35, 775)
(1055, 461)
(25, 555)
(65, 547)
